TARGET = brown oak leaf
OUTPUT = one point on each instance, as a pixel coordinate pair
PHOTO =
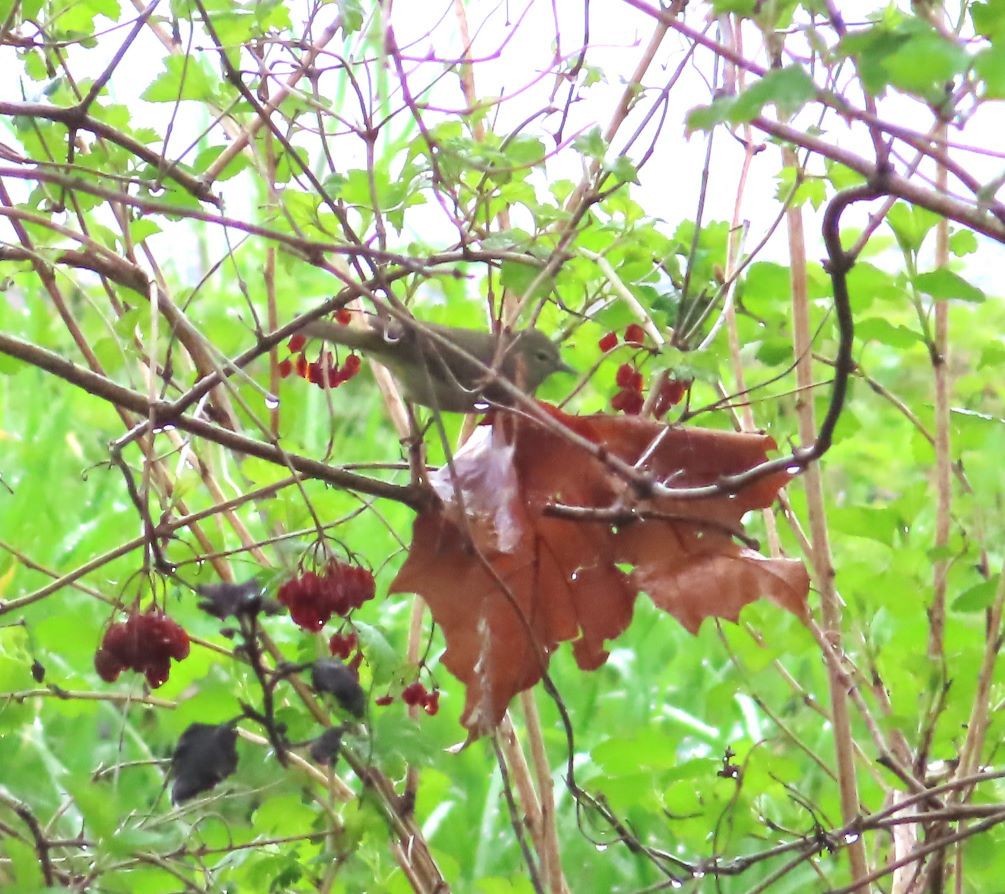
(507, 581)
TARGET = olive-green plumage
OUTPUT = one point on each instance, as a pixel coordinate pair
(432, 374)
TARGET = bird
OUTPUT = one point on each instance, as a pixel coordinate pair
(433, 375)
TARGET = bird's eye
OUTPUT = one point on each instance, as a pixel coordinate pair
(543, 356)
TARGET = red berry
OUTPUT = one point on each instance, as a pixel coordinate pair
(302, 366)
(635, 334)
(156, 671)
(630, 402)
(285, 368)
(107, 665)
(296, 343)
(432, 702)
(343, 316)
(301, 596)
(608, 342)
(414, 694)
(384, 700)
(351, 366)
(628, 377)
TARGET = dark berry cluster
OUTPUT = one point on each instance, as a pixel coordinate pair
(313, 597)
(323, 372)
(143, 642)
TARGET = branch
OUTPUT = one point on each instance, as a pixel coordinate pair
(162, 414)
(76, 118)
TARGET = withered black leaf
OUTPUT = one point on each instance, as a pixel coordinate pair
(226, 600)
(325, 748)
(206, 754)
(332, 676)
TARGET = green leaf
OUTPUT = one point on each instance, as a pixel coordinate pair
(910, 224)
(740, 7)
(28, 878)
(963, 242)
(524, 151)
(989, 19)
(943, 284)
(518, 277)
(810, 189)
(977, 598)
(352, 16)
(141, 228)
(788, 88)
(925, 62)
(990, 68)
(209, 155)
(380, 654)
(885, 332)
(591, 144)
(623, 169)
(863, 521)
(185, 77)
(905, 52)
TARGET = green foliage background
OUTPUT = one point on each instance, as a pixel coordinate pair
(659, 728)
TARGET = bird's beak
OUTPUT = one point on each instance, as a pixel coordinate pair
(564, 367)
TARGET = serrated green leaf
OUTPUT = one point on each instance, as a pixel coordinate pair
(590, 144)
(352, 15)
(943, 284)
(623, 169)
(883, 331)
(141, 228)
(963, 242)
(184, 77)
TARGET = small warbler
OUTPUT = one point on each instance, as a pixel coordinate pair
(432, 374)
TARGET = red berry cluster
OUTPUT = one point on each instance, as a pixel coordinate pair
(629, 399)
(634, 335)
(143, 642)
(313, 598)
(630, 382)
(415, 695)
(342, 645)
(323, 372)
(671, 393)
